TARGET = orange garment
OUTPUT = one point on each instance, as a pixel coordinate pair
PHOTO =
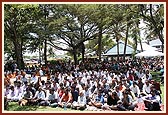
(60, 92)
(14, 75)
(65, 98)
(48, 76)
(37, 73)
(10, 75)
(122, 88)
(6, 81)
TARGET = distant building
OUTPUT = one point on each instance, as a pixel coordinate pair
(113, 51)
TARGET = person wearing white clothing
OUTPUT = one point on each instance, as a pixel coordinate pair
(34, 79)
(135, 89)
(146, 88)
(39, 96)
(152, 101)
(51, 98)
(41, 72)
(147, 76)
(88, 93)
(81, 103)
(16, 93)
(10, 96)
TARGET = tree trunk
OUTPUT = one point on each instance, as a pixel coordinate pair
(83, 52)
(161, 39)
(162, 47)
(39, 56)
(141, 45)
(117, 48)
(138, 38)
(75, 56)
(99, 43)
(18, 54)
(17, 47)
(22, 62)
(126, 39)
(45, 51)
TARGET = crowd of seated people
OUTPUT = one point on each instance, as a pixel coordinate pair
(99, 85)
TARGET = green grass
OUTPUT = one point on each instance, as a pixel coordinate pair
(162, 95)
(13, 106)
(156, 77)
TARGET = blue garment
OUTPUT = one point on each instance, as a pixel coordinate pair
(75, 95)
(151, 98)
(100, 99)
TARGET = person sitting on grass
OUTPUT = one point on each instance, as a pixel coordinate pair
(88, 93)
(119, 93)
(39, 97)
(140, 84)
(6, 90)
(98, 101)
(81, 103)
(146, 88)
(126, 103)
(152, 101)
(66, 99)
(51, 99)
(75, 93)
(60, 90)
(27, 96)
(15, 93)
(10, 96)
(135, 89)
(112, 100)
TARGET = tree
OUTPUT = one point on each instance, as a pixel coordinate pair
(72, 28)
(153, 16)
(117, 25)
(103, 20)
(106, 43)
(17, 26)
(132, 25)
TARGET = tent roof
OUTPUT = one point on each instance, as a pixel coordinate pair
(149, 53)
(113, 50)
(156, 42)
(145, 46)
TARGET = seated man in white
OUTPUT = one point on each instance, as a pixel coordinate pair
(51, 98)
(81, 103)
(15, 94)
(152, 101)
(39, 96)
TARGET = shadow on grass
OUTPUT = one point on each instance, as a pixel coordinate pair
(13, 106)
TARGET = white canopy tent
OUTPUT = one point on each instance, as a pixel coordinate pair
(145, 46)
(149, 53)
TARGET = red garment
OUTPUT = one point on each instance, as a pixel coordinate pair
(131, 77)
(65, 98)
(60, 92)
(157, 86)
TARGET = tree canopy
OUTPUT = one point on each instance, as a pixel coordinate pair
(77, 27)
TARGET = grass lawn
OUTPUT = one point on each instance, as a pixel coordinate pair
(13, 106)
(156, 76)
(162, 95)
